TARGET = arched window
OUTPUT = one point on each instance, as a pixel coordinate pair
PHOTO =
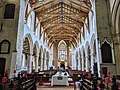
(106, 53)
(9, 11)
(62, 51)
(5, 47)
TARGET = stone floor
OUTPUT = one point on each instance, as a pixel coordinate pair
(55, 89)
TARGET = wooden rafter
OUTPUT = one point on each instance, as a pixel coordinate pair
(61, 20)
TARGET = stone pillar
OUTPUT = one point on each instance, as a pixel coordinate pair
(13, 64)
(87, 69)
(55, 55)
(98, 55)
(92, 62)
(68, 55)
(82, 62)
(41, 66)
(23, 59)
(79, 67)
(45, 64)
(36, 65)
(29, 63)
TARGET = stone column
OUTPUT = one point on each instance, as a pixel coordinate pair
(82, 62)
(79, 66)
(68, 55)
(92, 62)
(29, 63)
(13, 64)
(36, 65)
(87, 63)
(41, 66)
(98, 55)
(23, 60)
(45, 64)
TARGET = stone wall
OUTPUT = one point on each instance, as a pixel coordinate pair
(9, 29)
(104, 29)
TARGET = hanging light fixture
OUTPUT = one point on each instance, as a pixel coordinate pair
(41, 0)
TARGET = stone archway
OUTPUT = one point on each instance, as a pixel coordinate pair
(25, 54)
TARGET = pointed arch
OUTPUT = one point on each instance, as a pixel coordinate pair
(62, 50)
(30, 42)
(37, 47)
(106, 53)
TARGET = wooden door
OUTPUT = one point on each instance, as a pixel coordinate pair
(2, 66)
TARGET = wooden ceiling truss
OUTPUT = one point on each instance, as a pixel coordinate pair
(61, 19)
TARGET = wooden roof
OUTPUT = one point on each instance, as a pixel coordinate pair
(61, 19)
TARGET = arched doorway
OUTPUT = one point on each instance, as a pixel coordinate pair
(2, 66)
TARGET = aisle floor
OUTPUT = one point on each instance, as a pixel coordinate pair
(55, 89)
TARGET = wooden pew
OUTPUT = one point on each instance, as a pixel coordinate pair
(28, 85)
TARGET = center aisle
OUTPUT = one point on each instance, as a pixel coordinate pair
(55, 88)
(48, 86)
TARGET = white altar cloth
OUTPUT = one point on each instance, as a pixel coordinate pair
(60, 79)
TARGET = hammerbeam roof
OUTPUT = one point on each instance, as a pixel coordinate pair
(61, 19)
